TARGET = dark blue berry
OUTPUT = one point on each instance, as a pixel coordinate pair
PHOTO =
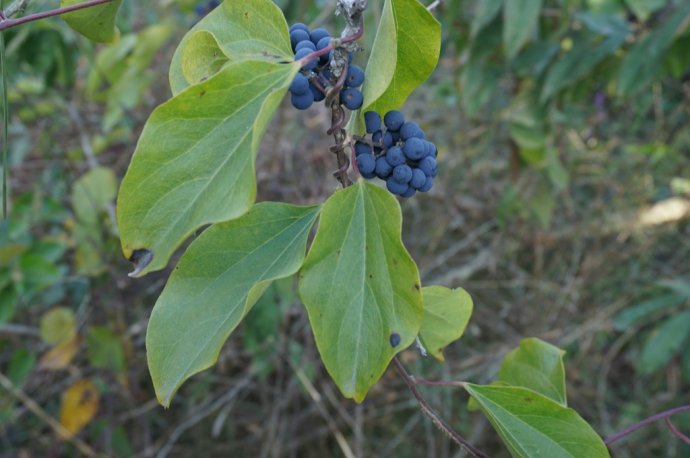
(300, 85)
(299, 26)
(394, 339)
(388, 140)
(427, 185)
(322, 44)
(428, 166)
(352, 98)
(394, 120)
(318, 35)
(318, 95)
(411, 130)
(383, 168)
(296, 36)
(402, 173)
(414, 149)
(366, 164)
(372, 120)
(304, 53)
(418, 179)
(395, 156)
(303, 101)
(410, 192)
(395, 187)
(305, 44)
(377, 137)
(355, 76)
(362, 148)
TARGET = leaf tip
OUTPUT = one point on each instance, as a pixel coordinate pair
(141, 258)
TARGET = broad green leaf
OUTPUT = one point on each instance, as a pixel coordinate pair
(536, 365)
(361, 288)
(96, 23)
(486, 11)
(642, 310)
(246, 30)
(520, 19)
(194, 163)
(446, 314)
(217, 281)
(644, 59)
(664, 343)
(532, 425)
(404, 54)
(578, 63)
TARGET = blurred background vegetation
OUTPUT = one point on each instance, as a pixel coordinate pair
(563, 207)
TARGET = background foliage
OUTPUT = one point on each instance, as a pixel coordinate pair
(562, 207)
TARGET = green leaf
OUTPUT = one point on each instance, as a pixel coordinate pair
(665, 341)
(520, 19)
(644, 8)
(217, 281)
(637, 312)
(536, 365)
(446, 314)
(532, 425)
(486, 11)
(246, 30)
(361, 288)
(578, 63)
(404, 54)
(194, 163)
(105, 349)
(92, 193)
(644, 59)
(96, 23)
(58, 325)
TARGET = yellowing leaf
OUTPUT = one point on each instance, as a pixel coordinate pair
(59, 357)
(79, 406)
(58, 325)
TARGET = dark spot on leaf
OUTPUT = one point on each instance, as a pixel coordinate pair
(394, 339)
(202, 93)
(337, 253)
(140, 258)
(416, 286)
(246, 15)
(371, 276)
(528, 399)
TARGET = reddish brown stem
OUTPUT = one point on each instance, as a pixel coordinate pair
(6, 23)
(645, 422)
(676, 432)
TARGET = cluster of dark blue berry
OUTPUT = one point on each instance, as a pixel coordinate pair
(312, 82)
(398, 154)
(202, 9)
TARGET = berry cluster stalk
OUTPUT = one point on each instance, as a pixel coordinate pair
(352, 11)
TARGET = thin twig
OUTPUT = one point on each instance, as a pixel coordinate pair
(56, 426)
(649, 420)
(433, 415)
(676, 432)
(7, 23)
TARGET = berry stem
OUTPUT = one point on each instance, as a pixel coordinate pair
(6, 23)
(335, 43)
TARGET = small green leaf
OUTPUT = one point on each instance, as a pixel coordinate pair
(536, 365)
(361, 288)
(532, 425)
(96, 23)
(58, 325)
(217, 281)
(486, 11)
(246, 30)
(92, 193)
(194, 163)
(446, 314)
(105, 349)
(664, 343)
(404, 54)
(520, 19)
